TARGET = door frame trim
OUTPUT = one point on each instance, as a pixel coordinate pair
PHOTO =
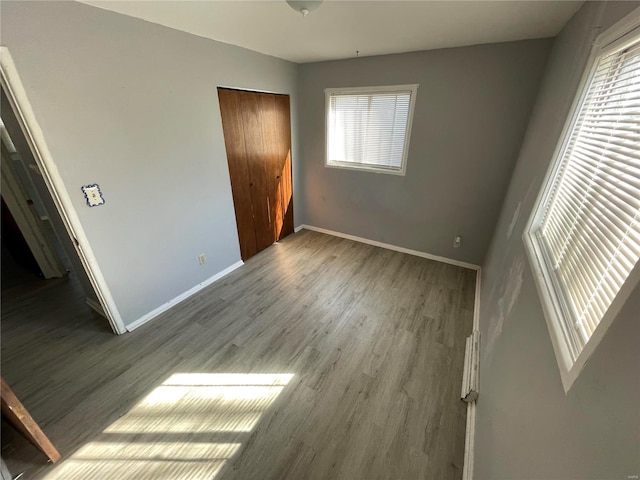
(28, 221)
(16, 94)
(253, 90)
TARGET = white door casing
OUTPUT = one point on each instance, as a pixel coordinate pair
(16, 95)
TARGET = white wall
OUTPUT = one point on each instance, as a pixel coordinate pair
(133, 107)
(527, 428)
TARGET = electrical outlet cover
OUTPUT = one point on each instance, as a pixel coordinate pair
(93, 195)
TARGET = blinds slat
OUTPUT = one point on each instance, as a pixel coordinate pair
(615, 200)
(368, 128)
(609, 225)
(590, 227)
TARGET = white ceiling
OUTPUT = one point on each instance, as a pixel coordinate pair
(339, 28)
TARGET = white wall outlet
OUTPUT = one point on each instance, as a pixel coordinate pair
(457, 241)
(202, 259)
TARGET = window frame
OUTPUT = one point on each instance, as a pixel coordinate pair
(551, 298)
(412, 88)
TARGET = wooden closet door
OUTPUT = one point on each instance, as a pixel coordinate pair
(284, 183)
(276, 123)
(258, 157)
(257, 132)
(233, 127)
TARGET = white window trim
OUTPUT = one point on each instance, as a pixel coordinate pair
(551, 303)
(413, 88)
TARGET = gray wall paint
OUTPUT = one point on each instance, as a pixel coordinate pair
(527, 428)
(472, 108)
(133, 106)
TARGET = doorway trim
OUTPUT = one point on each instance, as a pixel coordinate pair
(28, 221)
(17, 97)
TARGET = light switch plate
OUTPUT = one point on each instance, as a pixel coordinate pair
(93, 195)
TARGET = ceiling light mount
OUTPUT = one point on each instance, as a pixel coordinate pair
(304, 6)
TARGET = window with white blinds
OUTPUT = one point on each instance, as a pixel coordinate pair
(369, 128)
(586, 230)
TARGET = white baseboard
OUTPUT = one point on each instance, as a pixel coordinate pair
(388, 246)
(470, 431)
(163, 308)
(469, 441)
(96, 307)
(476, 303)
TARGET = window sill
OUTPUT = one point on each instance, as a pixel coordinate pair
(364, 168)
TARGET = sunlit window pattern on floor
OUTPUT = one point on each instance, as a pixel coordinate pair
(186, 428)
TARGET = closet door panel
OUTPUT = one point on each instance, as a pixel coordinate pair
(233, 126)
(283, 167)
(256, 142)
(257, 131)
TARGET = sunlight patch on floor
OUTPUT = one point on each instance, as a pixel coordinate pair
(186, 428)
(158, 460)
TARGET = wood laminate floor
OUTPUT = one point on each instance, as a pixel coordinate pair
(320, 358)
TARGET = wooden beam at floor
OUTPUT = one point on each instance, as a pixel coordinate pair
(19, 417)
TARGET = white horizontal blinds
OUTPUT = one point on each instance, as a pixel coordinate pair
(368, 128)
(591, 227)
